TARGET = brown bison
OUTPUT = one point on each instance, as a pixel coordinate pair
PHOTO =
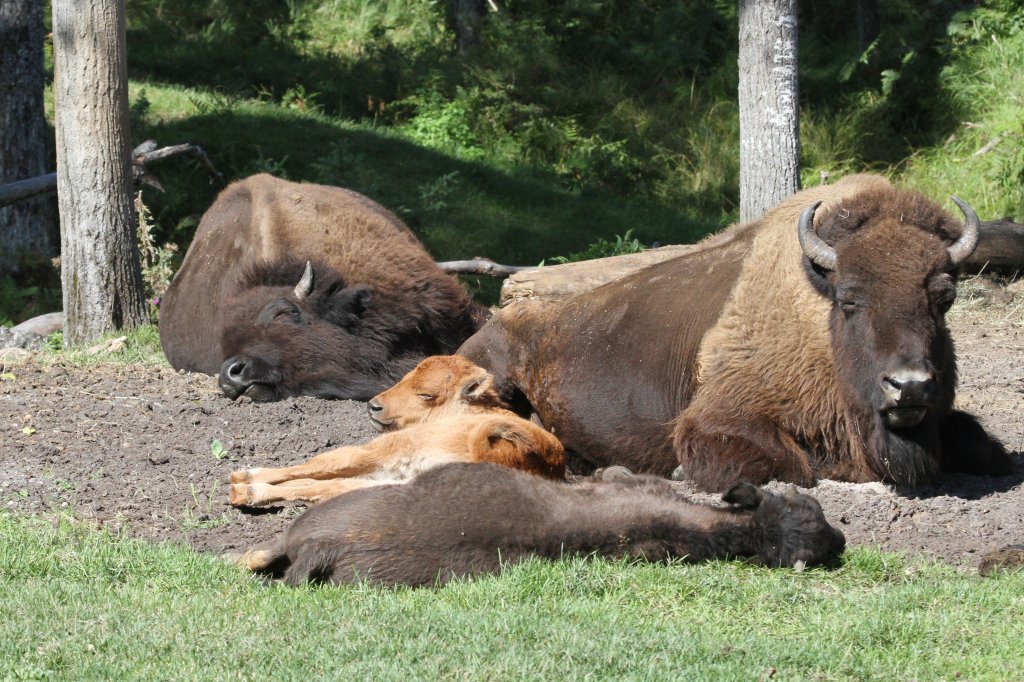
(443, 411)
(468, 519)
(301, 289)
(808, 344)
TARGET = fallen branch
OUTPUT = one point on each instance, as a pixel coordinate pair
(24, 189)
(481, 266)
(141, 155)
(148, 152)
(1000, 247)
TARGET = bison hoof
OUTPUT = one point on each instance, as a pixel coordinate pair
(613, 473)
(243, 476)
(240, 495)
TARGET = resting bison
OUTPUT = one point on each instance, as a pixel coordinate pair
(808, 344)
(468, 519)
(300, 289)
(443, 411)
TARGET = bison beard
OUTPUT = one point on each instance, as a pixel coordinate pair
(456, 521)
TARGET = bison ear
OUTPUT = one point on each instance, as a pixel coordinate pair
(744, 496)
(474, 388)
(347, 306)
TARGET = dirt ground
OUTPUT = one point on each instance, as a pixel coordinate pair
(132, 448)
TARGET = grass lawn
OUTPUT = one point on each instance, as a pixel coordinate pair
(81, 604)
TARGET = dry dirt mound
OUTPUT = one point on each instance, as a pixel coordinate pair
(132, 447)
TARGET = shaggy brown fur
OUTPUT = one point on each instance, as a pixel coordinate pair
(445, 411)
(744, 362)
(378, 303)
(464, 520)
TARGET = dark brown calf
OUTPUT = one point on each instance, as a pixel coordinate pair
(468, 519)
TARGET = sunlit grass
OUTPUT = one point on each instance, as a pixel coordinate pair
(82, 604)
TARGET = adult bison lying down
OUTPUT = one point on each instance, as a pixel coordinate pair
(808, 344)
(443, 411)
(467, 519)
(301, 289)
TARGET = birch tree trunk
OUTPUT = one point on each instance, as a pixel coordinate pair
(100, 271)
(27, 227)
(769, 105)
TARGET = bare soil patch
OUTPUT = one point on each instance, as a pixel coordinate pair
(131, 448)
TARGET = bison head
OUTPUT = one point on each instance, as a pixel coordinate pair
(793, 528)
(888, 260)
(440, 386)
(294, 328)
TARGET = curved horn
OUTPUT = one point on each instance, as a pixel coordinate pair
(820, 253)
(305, 286)
(968, 241)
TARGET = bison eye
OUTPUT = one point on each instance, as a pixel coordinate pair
(848, 307)
(285, 315)
(426, 396)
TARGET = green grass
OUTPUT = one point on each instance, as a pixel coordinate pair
(81, 604)
(142, 346)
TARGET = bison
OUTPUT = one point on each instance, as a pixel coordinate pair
(443, 411)
(468, 519)
(810, 343)
(300, 289)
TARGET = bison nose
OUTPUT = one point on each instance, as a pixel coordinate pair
(232, 377)
(908, 386)
(235, 370)
(373, 407)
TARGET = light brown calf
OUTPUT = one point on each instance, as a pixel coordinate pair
(445, 410)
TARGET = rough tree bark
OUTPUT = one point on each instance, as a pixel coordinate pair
(769, 106)
(868, 24)
(27, 228)
(467, 18)
(100, 269)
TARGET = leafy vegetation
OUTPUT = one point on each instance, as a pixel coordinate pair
(571, 121)
(82, 604)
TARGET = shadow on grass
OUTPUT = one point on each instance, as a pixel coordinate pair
(458, 208)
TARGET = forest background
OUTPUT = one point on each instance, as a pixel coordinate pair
(570, 128)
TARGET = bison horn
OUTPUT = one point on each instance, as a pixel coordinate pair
(820, 253)
(968, 241)
(305, 286)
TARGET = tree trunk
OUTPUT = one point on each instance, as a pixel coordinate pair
(467, 22)
(868, 24)
(100, 269)
(769, 105)
(27, 229)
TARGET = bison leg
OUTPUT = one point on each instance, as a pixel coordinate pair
(341, 462)
(717, 458)
(518, 446)
(968, 448)
(303, 490)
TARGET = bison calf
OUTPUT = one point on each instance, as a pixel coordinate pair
(444, 410)
(464, 520)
